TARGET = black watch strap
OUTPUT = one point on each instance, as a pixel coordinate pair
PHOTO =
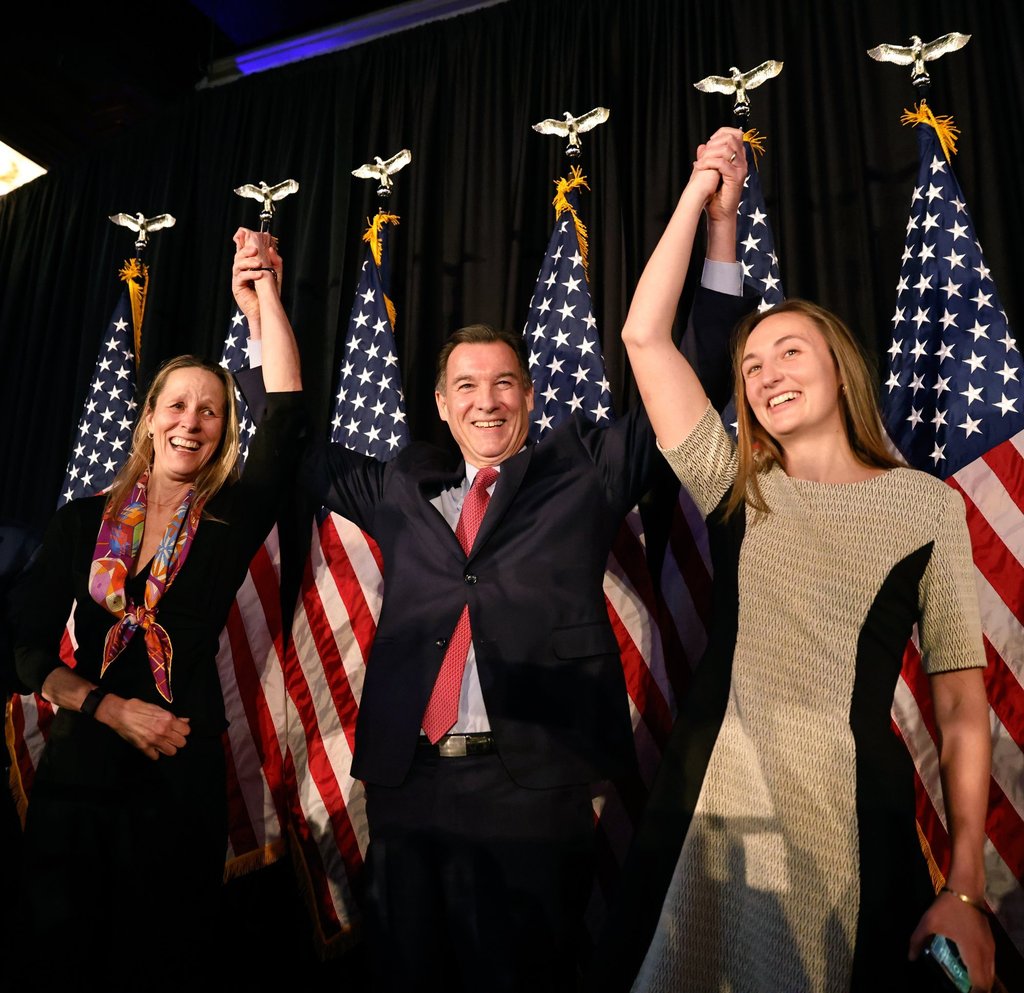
(91, 702)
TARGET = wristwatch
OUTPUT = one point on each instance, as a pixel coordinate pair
(91, 702)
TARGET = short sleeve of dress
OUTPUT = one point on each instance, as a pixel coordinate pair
(950, 625)
(704, 461)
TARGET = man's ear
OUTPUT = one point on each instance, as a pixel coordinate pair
(442, 405)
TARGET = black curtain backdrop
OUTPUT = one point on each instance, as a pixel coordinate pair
(475, 203)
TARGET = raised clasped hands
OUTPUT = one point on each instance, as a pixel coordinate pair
(721, 168)
(256, 260)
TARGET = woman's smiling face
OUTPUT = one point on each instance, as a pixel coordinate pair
(790, 378)
(187, 423)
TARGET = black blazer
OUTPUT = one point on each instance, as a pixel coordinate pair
(547, 657)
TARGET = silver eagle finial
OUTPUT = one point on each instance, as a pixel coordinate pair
(382, 170)
(918, 52)
(572, 127)
(142, 226)
(268, 195)
(738, 83)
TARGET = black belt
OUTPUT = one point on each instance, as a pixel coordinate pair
(455, 746)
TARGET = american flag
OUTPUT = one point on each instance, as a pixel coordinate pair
(102, 443)
(334, 626)
(250, 663)
(755, 243)
(568, 374)
(953, 407)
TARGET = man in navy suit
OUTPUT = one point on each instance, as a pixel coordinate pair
(480, 861)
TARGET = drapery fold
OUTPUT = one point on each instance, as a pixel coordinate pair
(462, 94)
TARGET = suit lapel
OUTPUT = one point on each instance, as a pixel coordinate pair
(509, 480)
(428, 487)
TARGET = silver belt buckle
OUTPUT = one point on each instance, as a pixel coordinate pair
(452, 746)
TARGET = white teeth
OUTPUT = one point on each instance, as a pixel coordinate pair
(488, 424)
(185, 443)
(781, 398)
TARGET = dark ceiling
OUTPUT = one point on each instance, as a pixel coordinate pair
(77, 75)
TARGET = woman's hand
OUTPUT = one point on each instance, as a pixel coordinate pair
(968, 927)
(149, 728)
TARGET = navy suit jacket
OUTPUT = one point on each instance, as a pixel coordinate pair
(547, 657)
(546, 654)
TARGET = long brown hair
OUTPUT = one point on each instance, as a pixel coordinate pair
(757, 451)
(222, 467)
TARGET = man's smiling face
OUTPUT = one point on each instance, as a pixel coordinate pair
(485, 402)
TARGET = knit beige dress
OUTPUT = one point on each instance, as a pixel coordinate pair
(767, 892)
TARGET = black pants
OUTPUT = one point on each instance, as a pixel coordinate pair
(475, 883)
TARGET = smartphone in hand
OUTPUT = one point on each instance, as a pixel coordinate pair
(945, 960)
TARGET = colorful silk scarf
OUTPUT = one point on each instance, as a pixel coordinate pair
(117, 546)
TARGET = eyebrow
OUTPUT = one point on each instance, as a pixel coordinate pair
(466, 376)
(778, 341)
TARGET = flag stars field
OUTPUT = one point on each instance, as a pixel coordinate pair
(106, 422)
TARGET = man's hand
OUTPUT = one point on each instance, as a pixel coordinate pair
(720, 169)
(256, 258)
(151, 729)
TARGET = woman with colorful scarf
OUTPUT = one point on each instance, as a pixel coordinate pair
(126, 830)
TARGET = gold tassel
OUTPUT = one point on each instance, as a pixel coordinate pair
(756, 142)
(15, 783)
(938, 880)
(372, 237)
(561, 205)
(372, 234)
(944, 127)
(136, 274)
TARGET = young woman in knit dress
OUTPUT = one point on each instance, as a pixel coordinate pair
(801, 868)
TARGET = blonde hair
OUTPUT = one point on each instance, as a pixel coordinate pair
(222, 467)
(757, 451)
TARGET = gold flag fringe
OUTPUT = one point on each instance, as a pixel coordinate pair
(327, 947)
(938, 880)
(14, 783)
(561, 204)
(756, 141)
(944, 127)
(259, 858)
(136, 274)
(372, 237)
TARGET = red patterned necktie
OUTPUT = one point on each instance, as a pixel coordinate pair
(443, 706)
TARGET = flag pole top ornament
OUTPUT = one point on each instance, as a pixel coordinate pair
(572, 127)
(268, 195)
(738, 83)
(917, 53)
(142, 226)
(382, 170)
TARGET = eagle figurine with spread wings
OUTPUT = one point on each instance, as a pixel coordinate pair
(918, 52)
(739, 82)
(268, 194)
(382, 170)
(142, 225)
(572, 127)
